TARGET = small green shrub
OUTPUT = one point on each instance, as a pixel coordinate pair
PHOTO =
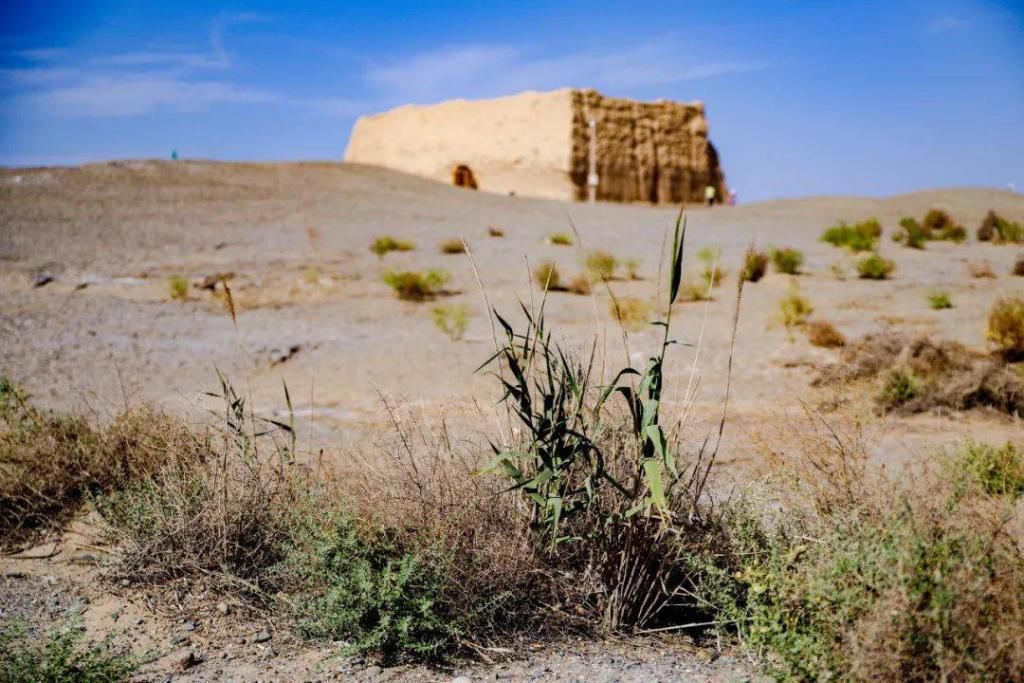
(1006, 326)
(562, 239)
(600, 265)
(383, 245)
(859, 237)
(1010, 233)
(452, 246)
(913, 235)
(794, 309)
(756, 266)
(178, 287)
(412, 285)
(713, 272)
(999, 471)
(939, 299)
(365, 588)
(939, 225)
(58, 657)
(875, 267)
(547, 277)
(899, 387)
(452, 320)
(787, 260)
(997, 229)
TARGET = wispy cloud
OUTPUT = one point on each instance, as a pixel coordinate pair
(481, 70)
(940, 25)
(58, 81)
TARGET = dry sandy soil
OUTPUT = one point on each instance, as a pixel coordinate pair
(312, 309)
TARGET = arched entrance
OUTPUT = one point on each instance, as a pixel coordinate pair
(462, 176)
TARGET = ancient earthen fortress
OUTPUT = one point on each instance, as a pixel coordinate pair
(538, 144)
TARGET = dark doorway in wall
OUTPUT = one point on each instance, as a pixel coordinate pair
(462, 176)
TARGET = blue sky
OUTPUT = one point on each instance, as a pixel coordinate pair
(802, 97)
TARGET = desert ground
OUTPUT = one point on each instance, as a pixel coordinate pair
(88, 323)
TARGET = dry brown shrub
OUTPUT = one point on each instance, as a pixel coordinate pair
(823, 333)
(1018, 265)
(916, 374)
(580, 285)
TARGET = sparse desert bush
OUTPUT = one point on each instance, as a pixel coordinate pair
(914, 235)
(50, 462)
(939, 299)
(412, 285)
(823, 333)
(713, 273)
(696, 290)
(452, 320)
(562, 239)
(631, 312)
(59, 656)
(755, 266)
(794, 309)
(939, 225)
(384, 244)
(997, 229)
(875, 267)
(980, 270)
(600, 265)
(547, 277)
(999, 470)
(495, 231)
(1006, 326)
(1018, 266)
(787, 260)
(452, 246)
(945, 375)
(580, 285)
(858, 237)
(177, 285)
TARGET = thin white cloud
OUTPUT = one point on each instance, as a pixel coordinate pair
(34, 75)
(477, 70)
(940, 25)
(120, 96)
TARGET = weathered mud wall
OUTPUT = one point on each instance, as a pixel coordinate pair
(517, 144)
(646, 151)
(537, 144)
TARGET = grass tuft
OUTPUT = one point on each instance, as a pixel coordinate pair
(1006, 327)
(177, 285)
(562, 239)
(631, 312)
(600, 265)
(386, 244)
(875, 267)
(939, 299)
(547, 277)
(412, 285)
(61, 655)
(861, 236)
(756, 266)
(453, 320)
(452, 246)
(787, 260)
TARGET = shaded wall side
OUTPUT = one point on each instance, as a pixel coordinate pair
(653, 152)
(519, 144)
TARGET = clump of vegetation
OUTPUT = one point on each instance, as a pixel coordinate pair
(939, 225)
(452, 320)
(61, 655)
(794, 309)
(997, 229)
(580, 285)
(631, 312)
(787, 260)
(914, 234)
(600, 265)
(999, 470)
(385, 244)
(696, 290)
(178, 287)
(1018, 265)
(980, 270)
(547, 277)
(495, 231)
(413, 285)
(562, 239)
(1006, 327)
(712, 272)
(939, 299)
(824, 334)
(453, 246)
(899, 387)
(755, 265)
(861, 236)
(875, 267)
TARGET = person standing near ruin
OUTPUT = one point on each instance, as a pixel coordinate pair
(709, 195)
